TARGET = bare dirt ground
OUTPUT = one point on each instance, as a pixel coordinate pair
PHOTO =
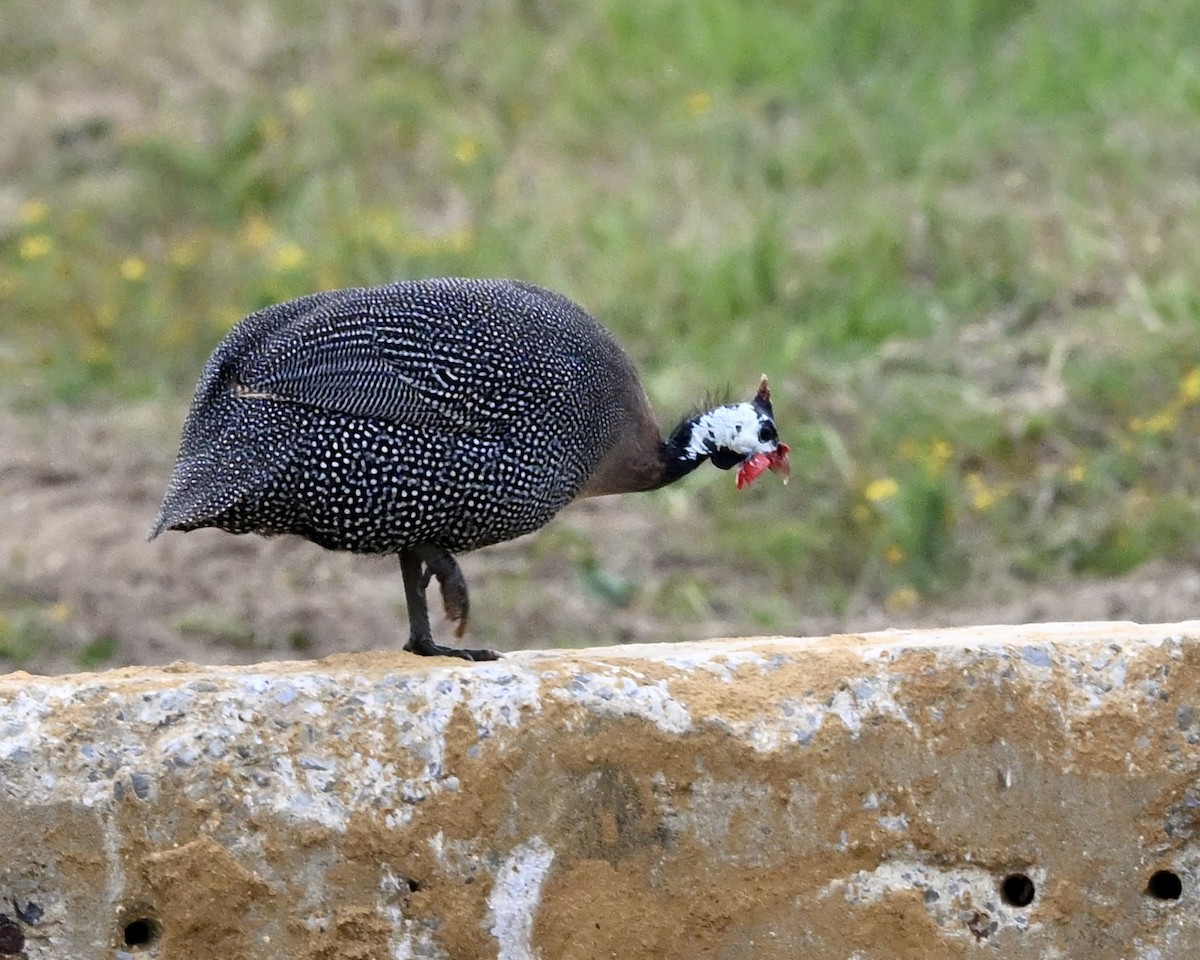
(80, 586)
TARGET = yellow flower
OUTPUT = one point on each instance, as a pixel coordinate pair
(97, 354)
(133, 268)
(1189, 386)
(185, 252)
(288, 257)
(1162, 422)
(256, 233)
(466, 151)
(300, 101)
(940, 453)
(904, 598)
(894, 554)
(699, 102)
(60, 612)
(882, 489)
(982, 495)
(34, 212)
(36, 246)
(1076, 472)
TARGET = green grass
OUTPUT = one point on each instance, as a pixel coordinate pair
(30, 630)
(961, 239)
(24, 632)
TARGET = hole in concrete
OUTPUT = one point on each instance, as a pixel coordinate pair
(12, 940)
(142, 932)
(1165, 885)
(1017, 890)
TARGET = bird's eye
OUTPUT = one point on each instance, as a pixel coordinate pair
(767, 433)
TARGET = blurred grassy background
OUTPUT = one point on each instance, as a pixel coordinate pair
(961, 238)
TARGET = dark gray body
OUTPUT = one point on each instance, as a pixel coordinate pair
(456, 413)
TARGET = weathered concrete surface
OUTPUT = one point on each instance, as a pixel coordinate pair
(857, 796)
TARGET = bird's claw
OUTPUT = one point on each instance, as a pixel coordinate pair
(427, 648)
(423, 563)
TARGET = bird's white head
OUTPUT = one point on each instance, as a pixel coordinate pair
(741, 435)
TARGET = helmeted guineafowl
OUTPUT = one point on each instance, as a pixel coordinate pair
(428, 418)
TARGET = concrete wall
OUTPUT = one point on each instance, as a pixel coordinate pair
(1001, 791)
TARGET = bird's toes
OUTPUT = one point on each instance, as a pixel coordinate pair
(425, 647)
(475, 655)
(481, 655)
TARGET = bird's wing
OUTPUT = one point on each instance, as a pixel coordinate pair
(387, 368)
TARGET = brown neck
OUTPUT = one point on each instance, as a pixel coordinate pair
(644, 462)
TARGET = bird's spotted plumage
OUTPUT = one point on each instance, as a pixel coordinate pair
(427, 418)
(458, 413)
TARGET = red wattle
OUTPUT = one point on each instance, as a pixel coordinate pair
(754, 466)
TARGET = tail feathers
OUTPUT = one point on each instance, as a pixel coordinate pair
(181, 512)
(170, 517)
(200, 491)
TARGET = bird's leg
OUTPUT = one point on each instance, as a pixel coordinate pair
(413, 561)
(441, 564)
